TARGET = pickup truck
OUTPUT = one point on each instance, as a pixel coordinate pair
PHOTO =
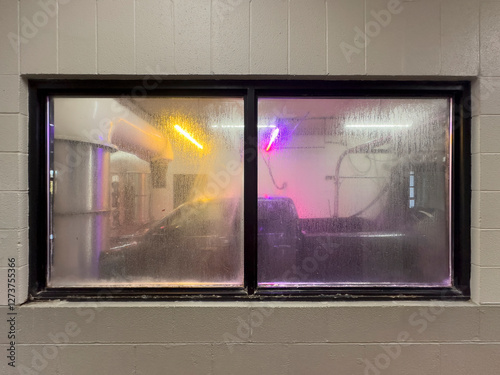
(202, 241)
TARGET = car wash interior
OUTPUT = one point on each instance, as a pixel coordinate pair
(248, 189)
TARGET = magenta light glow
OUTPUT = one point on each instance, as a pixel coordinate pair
(274, 135)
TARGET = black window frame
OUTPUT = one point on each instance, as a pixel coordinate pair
(41, 89)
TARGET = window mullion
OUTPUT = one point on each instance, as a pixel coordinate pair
(250, 190)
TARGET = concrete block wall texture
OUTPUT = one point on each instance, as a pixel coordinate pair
(324, 39)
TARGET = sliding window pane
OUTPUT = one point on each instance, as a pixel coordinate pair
(353, 192)
(146, 192)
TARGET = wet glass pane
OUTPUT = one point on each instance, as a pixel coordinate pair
(146, 192)
(353, 192)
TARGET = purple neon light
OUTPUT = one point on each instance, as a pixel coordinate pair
(274, 135)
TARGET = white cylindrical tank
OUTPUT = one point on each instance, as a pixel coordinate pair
(86, 132)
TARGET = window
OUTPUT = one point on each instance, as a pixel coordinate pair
(346, 165)
(250, 189)
(139, 237)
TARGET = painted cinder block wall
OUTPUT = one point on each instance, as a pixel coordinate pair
(424, 39)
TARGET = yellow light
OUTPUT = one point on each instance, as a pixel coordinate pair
(188, 136)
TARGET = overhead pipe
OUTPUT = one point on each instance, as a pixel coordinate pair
(363, 148)
(140, 139)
